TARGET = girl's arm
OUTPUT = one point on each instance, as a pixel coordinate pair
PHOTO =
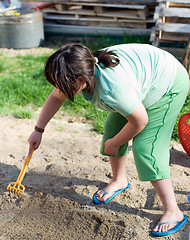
(51, 106)
(136, 123)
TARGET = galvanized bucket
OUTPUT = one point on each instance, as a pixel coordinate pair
(23, 31)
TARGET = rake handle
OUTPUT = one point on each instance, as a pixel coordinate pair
(24, 168)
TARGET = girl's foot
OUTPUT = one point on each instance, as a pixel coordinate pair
(167, 217)
(112, 186)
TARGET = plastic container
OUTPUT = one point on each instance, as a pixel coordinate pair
(22, 31)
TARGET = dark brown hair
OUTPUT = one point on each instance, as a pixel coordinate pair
(75, 60)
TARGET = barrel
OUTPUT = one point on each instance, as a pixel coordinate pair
(22, 31)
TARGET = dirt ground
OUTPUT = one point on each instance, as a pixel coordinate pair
(61, 179)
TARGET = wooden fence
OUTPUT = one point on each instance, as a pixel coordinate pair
(173, 25)
(107, 17)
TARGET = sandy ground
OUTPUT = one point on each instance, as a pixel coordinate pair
(61, 179)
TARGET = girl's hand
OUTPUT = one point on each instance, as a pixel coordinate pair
(111, 148)
(34, 141)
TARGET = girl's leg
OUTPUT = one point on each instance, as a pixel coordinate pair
(119, 180)
(114, 123)
(151, 148)
(171, 210)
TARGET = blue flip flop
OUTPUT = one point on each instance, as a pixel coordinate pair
(96, 201)
(172, 230)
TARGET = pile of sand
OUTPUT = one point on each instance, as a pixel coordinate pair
(62, 177)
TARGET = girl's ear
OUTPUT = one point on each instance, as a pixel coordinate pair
(81, 80)
(81, 83)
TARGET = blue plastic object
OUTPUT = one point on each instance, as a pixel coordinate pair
(173, 230)
(96, 201)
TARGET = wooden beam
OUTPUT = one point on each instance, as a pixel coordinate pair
(175, 1)
(185, 58)
(127, 6)
(93, 31)
(136, 2)
(175, 12)
(172, 39)
(69, 12)
(173, 27)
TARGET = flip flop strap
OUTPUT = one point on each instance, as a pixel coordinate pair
(104, 192)
(168, 222)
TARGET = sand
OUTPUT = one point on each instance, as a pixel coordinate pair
(62, 177)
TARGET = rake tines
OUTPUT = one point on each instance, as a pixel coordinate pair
(15, 187)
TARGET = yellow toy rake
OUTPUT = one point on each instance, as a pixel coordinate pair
(17, 187)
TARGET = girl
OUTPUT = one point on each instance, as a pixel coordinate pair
(143, 88)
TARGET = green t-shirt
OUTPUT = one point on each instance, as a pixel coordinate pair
(144, 74)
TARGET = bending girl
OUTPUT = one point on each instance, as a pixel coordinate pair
(143, 88)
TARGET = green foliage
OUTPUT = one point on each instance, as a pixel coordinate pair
(21, 112)
(103, 41)
(83, 108)
(22, 81)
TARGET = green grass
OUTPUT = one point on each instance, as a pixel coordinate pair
(83, 108)
(23, 86)
(22, 81)
(22, 112)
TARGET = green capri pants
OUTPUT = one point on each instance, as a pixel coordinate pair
(151, 145)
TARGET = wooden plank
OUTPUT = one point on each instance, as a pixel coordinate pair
(122, 6)
(173, 27)
(70, 12)
(92, 13)
(92, 31)
(177, 20)
(179, 4)
(136, 2)
(169, 37)
(174, 1)
(127, 15)
(181, 39)
(132, 2)
(175, 12)
(74, 17)
(186, 61)
(103, 23)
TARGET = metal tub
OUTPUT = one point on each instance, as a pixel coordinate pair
(23, 31)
